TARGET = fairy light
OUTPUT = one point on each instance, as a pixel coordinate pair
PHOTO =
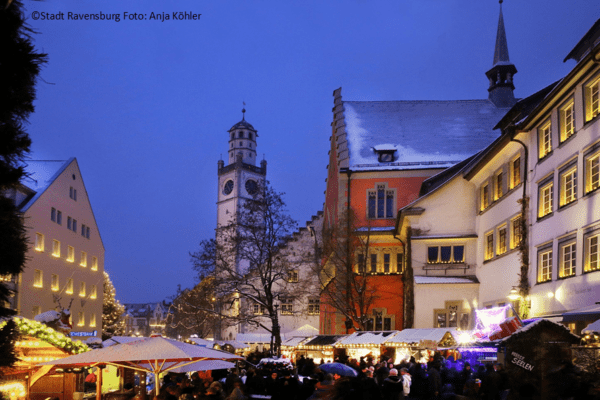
(13, 389)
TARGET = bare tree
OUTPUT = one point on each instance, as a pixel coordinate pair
(193, 311)
(345, 282)
(251, 272)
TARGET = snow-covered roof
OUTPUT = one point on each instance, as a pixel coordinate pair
(256, 337)
(40, 175)
(593, 327)
(425, 134)
(294, 341)
(366, 338)
(48, 316)
(416, 335)
(304, 331)
(533, 324)
(202, 342)
(423, 280)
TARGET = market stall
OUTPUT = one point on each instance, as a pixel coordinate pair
(321, 347)
(365, 344)
(418, 343)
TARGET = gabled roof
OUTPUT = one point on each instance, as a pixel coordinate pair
(40, 175)
(425, 134)
(587, 42)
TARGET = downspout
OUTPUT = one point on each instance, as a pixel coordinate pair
(348, 322)
(408, 283)
(524, 244)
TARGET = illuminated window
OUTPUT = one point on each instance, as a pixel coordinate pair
(93, 292)
(567, 260)
(55, 284)
(498, 183)
(381, 202)
(55, 248)
(546, 192)
(38, 278)
(545, 140)
(82, 289)
(92, 320)
(293, 276)
(489, 246)
(39, 242)
(567, 121)
(544, 266)
(592, 172)
(445, 254)
(592, 100)
(94, 263)
(314, 305)
(515, 172)
(515, 226)
(81, 319)
(502, 240)
(485, 196)
(70, 254)
(259, 309)
(69, 287)
(592, 256)
(287, 307)
(568, 186)
(83, 259)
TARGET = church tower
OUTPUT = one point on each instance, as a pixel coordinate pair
(240, 178)
(502, 71)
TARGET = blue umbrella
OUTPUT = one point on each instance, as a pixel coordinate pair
(338, 368)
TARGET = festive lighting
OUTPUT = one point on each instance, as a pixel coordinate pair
(488, 320)
(43, 332)
(13, 389)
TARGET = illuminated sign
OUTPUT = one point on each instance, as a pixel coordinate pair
(84, 334)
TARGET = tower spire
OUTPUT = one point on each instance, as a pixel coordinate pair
(502, 72)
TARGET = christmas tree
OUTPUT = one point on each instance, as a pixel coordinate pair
(112, 311)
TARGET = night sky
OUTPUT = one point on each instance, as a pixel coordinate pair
(145, 105)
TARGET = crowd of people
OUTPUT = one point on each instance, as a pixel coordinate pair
(437, 380)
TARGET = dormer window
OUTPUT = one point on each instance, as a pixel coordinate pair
(385, 153)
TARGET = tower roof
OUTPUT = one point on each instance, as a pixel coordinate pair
(243, 124)
(501, 50)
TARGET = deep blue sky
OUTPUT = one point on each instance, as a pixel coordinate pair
(145, 105)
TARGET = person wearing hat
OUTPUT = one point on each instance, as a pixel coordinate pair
(392, 387)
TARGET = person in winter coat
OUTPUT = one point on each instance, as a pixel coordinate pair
(434, 380)
(406, 381)
(392, 386)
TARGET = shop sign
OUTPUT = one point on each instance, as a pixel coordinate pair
(428, 344)
(83, 333)
(519, 360)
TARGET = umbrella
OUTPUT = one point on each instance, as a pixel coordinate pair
(152, 355)
(338, 368)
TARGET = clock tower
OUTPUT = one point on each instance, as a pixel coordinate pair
(240, 178)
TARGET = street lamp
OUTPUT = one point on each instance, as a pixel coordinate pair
(514, 294)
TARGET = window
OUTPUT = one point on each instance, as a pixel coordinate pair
(74, 225)
(515, 226)
(567, 121)
(592, 256)
(258, 309)
(87, 232)
(399, 262)
(546, 192)
(38, 278)
(39, 242)
(386, 262)
(445, 254)
(592, 100)
(361, 267)
(485, 196)
(314, 306)
(498, 192)
(83, 230)
(545, 140)
(73, 193)
(489, 246)
(286, 307)
(53, 214)
(82, 289)
(544, 265)
(69, 287)
(70, 254)
(58, 217)
(568, 186)
(69, 223)
(240, 134)
(567, 260)
(94, 263)
(93, 292)
(81, 319)
(373, 263)
(83, 259)
(381, 202)
(293, 276)
(92, 320)
(592, 172)
(515, 172)
(55, 248)
(501, 240)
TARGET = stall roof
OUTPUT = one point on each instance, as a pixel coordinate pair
(537, 324)
(294, 341)
(416, 335)
(366, 338)
(324, 340)
(589, 313)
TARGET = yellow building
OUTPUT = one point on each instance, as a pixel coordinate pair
(65, 260)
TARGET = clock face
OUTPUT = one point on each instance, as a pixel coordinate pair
(251, 186)
(228, 188)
